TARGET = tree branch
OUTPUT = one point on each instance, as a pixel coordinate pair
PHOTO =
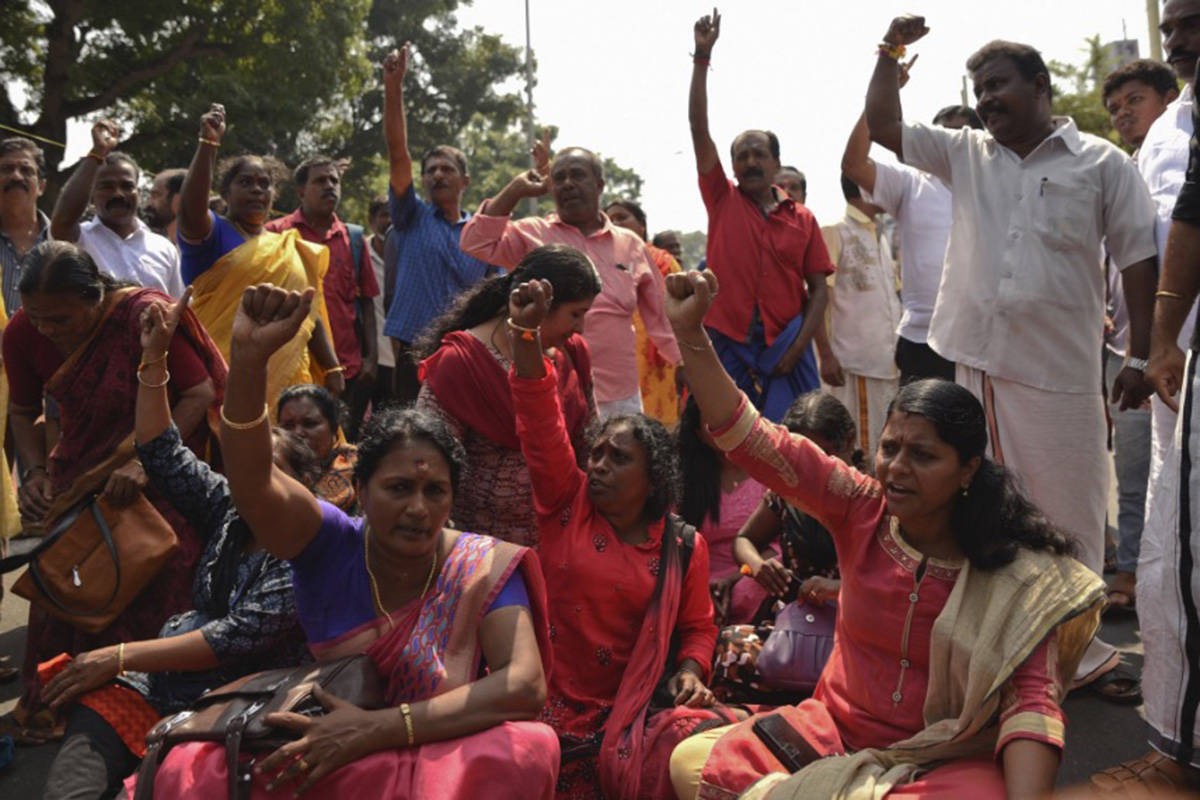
(189, 47)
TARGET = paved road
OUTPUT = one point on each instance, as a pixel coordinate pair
(1099, 734)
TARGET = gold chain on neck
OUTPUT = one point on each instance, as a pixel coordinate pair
(375, 585)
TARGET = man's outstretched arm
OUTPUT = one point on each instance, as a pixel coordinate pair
(395, 125)
(706, 31)
(884, 117)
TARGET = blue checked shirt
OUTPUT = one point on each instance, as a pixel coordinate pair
(11, 262)
(431, 270)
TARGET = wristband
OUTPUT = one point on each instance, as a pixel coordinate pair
(892, 51)
(1139, 364)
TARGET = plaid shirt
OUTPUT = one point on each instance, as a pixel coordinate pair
(11, 262)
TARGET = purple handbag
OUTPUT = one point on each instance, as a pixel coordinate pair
(796, 651)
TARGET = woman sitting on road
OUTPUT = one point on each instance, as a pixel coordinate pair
(243, 616)
(631, 618)
(959, 612)
(432, 607)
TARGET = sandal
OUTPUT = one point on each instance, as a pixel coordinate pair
(1118, 685)
(1152, 774)
(1120, 602)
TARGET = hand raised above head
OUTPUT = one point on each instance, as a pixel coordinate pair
(267, 318)
(105, 135)
(159, 322)
(395, 65)
(541, 153)
(212, 123)
(706, 31)
(688, 297)
(529, 303)
(906, 29)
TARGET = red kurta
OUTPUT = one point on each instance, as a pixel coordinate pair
(599, 587)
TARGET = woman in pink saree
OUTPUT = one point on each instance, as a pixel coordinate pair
(455, 622)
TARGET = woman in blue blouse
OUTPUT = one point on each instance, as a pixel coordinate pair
(244, 612)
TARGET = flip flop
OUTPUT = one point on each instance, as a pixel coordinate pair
(1108, 686)
(1120, 602)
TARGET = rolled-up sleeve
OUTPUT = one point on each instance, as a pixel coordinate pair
(1129, 213)
(501, 241)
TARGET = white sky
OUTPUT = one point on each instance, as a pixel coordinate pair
(614, 75)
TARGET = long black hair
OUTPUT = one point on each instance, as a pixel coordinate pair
(701, 467)
(994, 519)
(570, 272)
(57, 267)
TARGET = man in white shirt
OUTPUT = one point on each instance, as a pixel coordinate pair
(863, 313)
(920, 204)
(1135, 96)
(1022, 295)
(116, 239)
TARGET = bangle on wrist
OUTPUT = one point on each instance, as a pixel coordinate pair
(121, 658)
(94, 155)
(893, 51)
(166, 379)
(335, 368)
(701, 58)
(406, 712)
(25, 475)
(527, 334)
(1170, 294)
(209, 142)
(699, 348)
(243, 426)
(149, 362)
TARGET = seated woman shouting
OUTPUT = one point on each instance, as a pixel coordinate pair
(432, 607)
(243, 616)
(631, 620)
(313, 414)
(959, 615)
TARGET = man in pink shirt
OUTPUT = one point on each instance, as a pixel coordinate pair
(630, 279)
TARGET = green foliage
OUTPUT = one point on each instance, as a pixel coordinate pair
(1083, 101)
(297, 78)
(694, 245)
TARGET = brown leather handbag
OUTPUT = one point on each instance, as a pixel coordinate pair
(235, 714)
(94, 561)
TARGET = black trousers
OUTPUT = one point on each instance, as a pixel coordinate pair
(92, 761)
(917, 360)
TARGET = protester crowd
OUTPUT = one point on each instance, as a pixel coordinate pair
(824, 517)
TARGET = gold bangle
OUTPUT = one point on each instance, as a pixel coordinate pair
(1172, 295)
(121, 658)
(406, 712)
(527, 334)
(151, 362)
(99, 159)
(166, 379)
(699, 348)
(243, 426)
(209, 142)
(337, 368)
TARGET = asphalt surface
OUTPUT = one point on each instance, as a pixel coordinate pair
(1099, 734)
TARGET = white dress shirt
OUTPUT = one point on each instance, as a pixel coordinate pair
(1022, 292)
(143, 257)
(1162, 160)
(921, 204)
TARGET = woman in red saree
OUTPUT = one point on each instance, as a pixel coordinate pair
(465, 376)
(631, 619)
(960, 614)
(431, 607)
(76, 340)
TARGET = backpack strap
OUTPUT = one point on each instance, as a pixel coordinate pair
(356, 249)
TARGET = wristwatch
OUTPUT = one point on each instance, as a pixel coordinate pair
(1139, 364)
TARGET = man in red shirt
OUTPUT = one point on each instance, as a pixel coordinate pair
(350, 283)
(767, 251)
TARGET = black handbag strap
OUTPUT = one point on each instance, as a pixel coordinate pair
(61, 526)
(106, 535)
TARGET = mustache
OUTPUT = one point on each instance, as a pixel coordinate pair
(17, 184)
(753, 172)
(118, 202)
(1181, 55)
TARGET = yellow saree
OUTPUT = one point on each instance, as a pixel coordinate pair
(10, 518)
(283, 259)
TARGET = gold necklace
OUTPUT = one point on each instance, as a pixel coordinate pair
(375, 585)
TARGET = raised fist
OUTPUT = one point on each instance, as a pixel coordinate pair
(212, 124)
(906, 29)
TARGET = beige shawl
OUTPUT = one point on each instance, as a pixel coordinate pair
(990, 625)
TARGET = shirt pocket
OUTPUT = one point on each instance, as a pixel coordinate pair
(1065, 214)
